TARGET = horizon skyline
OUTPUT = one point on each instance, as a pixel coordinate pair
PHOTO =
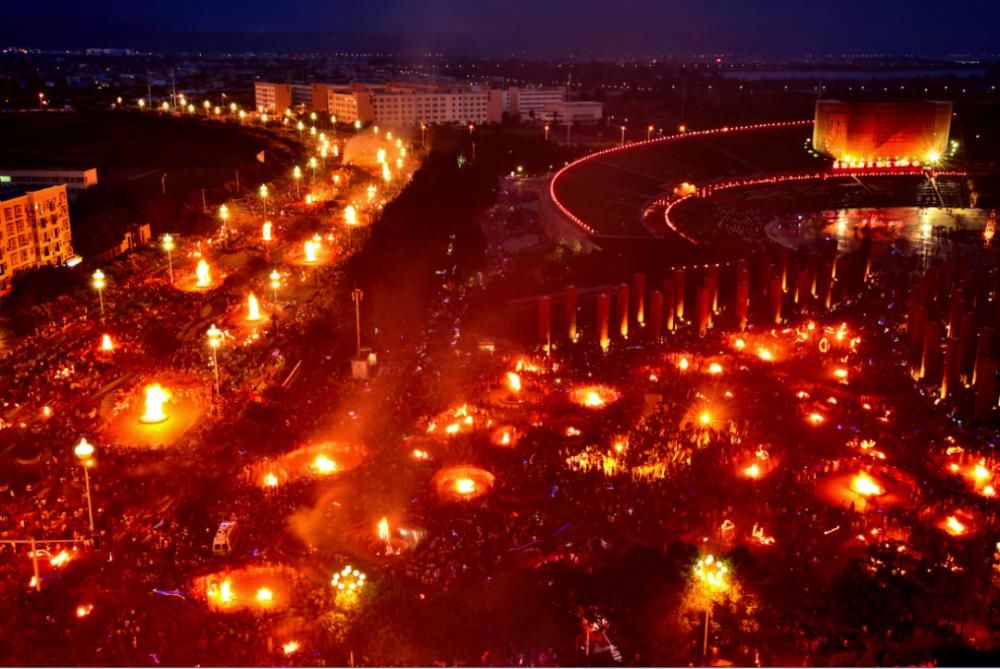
(781, 29)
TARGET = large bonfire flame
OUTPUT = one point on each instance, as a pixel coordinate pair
(204, 274)
(594, 397)
(156, 397)
(865, 486)
(311, 248)
(253, 308)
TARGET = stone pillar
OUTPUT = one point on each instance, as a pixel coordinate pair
(604, 320)
(545, 322)
(639, 290)
(713, 288)
(622, 313)
(572, 298)
(986, 381)
(669, 305)
(701, 311)
(775, 296)
(742, 304)
(656, 314)
(984, 351)
(949, 375)
(929, 365)
(679, 293)
(793, 279)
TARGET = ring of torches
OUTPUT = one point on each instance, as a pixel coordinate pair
(259, 588)
(318, 460)
(463, 482)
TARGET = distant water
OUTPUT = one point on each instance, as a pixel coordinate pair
(857, 75)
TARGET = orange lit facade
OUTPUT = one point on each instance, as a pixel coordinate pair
(34, 231)
(272, 98)
(873, 131)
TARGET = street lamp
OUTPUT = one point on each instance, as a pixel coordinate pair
(263, 198)
(356, 295)
(214, 335)
(301, 126)
(84, 452)
(357, 125)
(99, 287)
(275, 282)
(649, 132)
(224, 215)
(546, 133)
(423, 131)
(711, 576)
(168, 246)
(350, 220)
(297, 174)
(623, 135)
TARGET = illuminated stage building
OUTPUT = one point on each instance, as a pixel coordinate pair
(872, 131)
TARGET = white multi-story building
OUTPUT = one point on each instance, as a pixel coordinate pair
(529, 103)
(34, 230)
(407, 105)
(75, 180)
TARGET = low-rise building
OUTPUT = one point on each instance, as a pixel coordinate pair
(34, 230)
(75, 180)
(272, 98)
(577, 111)
(529, 103)
(408, 105)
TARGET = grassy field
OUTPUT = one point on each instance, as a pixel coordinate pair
(137, 148)
(132, 151)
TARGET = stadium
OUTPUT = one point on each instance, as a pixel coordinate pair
(726, 185)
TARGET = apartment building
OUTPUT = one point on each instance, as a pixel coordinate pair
(34, 230)
(272, 98)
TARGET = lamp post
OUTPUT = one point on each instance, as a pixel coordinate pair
(301, 126)
(263, 198)
(350, 220)
(275, 282)
(623, 135)
(423, 134)
(99, 287)
(546, 132)
(224, 216)
(214, 341)
(84, 452)
(297, 174)
(356, 295)
(649, 132)
(711, 576)
(168, 246)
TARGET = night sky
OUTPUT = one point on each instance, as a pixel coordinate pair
(545, 27)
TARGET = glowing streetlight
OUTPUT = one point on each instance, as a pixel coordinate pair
(546, 133)
(649, 133)
(263, 197)
(168, 246)
(356, 296)
(214, 335)
(224, 216)
(275, 283)
(623, 135)
(297, 174)
(142, 103)
(423, 132)
(84, 452)
(357, 125)
(711, 576)
(300, 126)
(99, 283)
